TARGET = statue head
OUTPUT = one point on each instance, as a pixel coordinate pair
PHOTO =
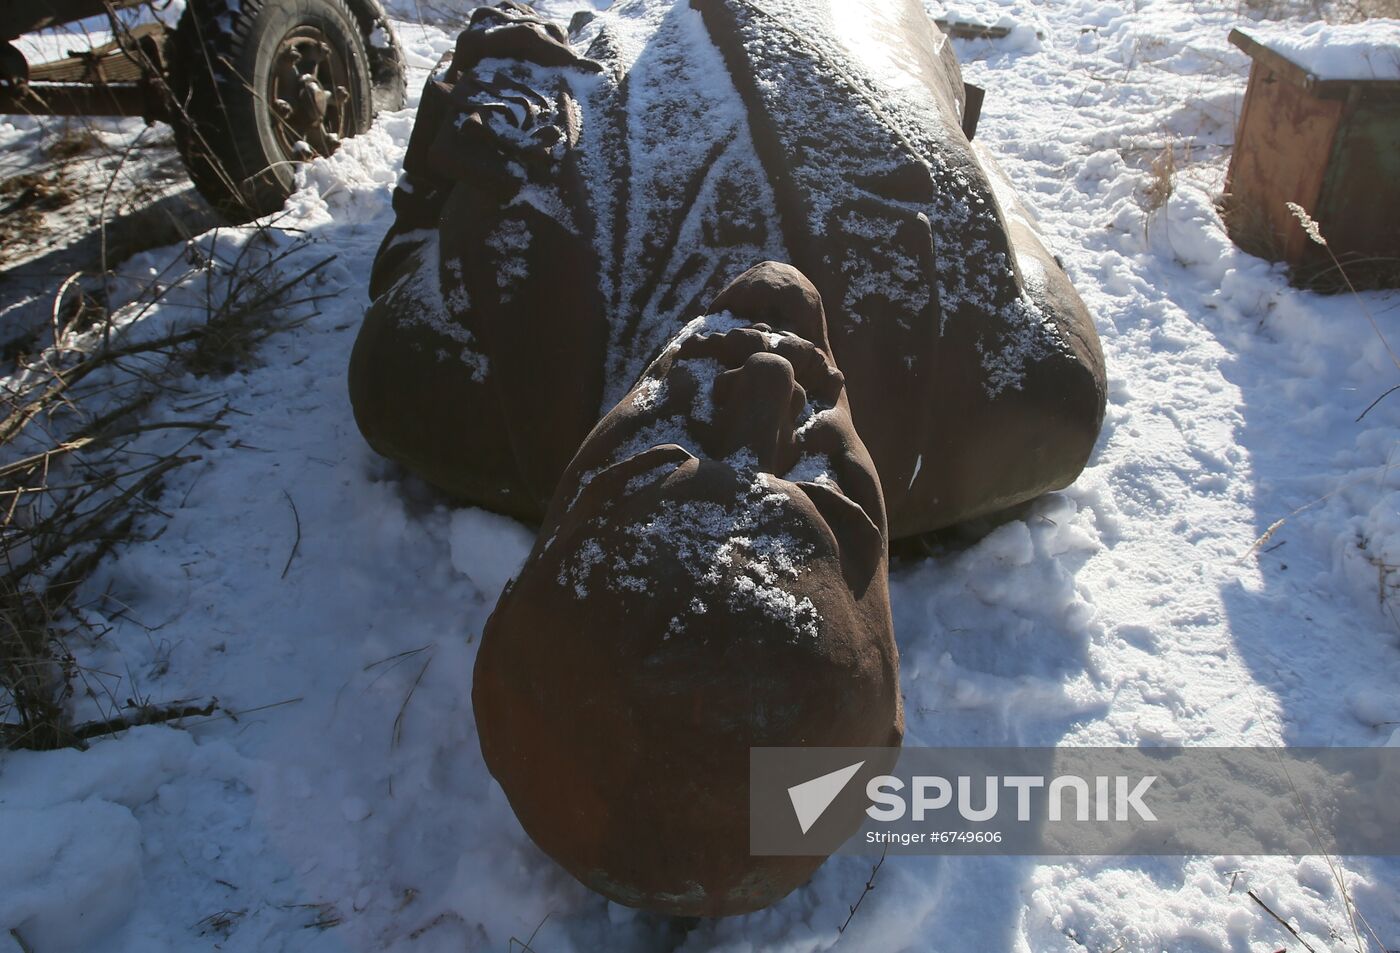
(711, 577)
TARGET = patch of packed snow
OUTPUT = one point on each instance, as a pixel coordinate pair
(347, 808)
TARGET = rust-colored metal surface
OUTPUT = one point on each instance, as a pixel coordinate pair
(1281, 155)
(107, 63)
(73, 99)
(108, 80)
(1331, 146)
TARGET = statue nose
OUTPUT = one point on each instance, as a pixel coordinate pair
(756, 406)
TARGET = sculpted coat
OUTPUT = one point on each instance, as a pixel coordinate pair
(570, 203)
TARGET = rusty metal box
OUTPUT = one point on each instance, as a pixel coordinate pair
(1329, 145)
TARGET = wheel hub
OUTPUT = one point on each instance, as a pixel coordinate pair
(309, 95)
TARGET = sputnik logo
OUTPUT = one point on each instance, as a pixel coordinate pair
(810, 799)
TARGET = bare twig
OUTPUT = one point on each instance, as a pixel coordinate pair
(525, 947)
(869, 886)
(144, 715)
(102, 226)
(233, 716)
(78, 471)
(1286, 925)
(296, 544)
(59, 297)
(398, 719)
(1373, 403)
(397, 656)
(1310, 226)
(1332, 865)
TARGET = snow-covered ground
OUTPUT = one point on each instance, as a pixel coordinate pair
(305, 583)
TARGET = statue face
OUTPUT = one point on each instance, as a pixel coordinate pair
(711, 577)
(743, 416)
(725, 471)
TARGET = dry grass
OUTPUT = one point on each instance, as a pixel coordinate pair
(1162, 179)
(82, 460)
(1166, 165)
(1354, 11)
(75, 139)
(24, 201)
(35, 669)
(82, 465)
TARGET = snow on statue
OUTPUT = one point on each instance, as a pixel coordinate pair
(561, 218)
(711, 570)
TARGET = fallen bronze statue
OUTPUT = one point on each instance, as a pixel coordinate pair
(711, 577)
(717, 463)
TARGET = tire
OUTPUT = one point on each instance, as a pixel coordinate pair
(244, 111)
(386, 58)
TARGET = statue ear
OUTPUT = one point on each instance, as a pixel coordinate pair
(858, 540)
(609, 482)
(649, 459)
(607, 485)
